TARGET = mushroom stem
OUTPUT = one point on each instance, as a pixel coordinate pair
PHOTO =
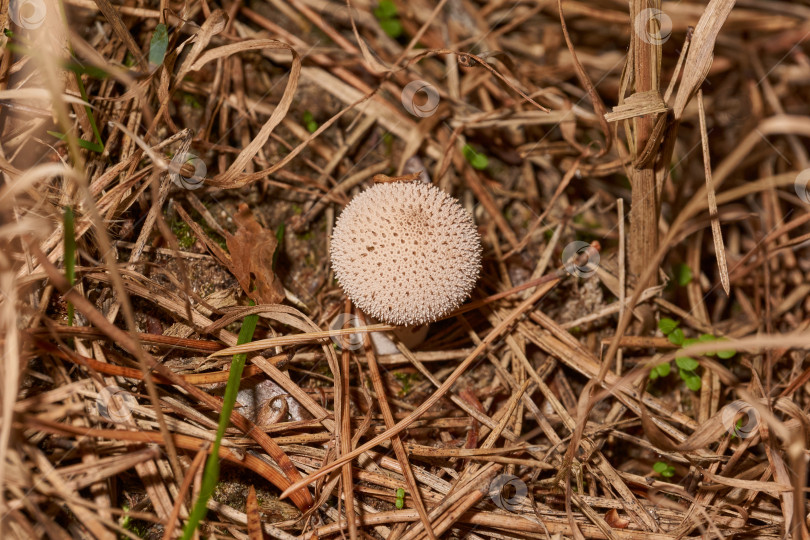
(410, 336)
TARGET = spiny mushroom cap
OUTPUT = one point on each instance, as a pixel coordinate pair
(406, 253)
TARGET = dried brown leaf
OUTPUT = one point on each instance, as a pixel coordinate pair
(613, 519)
(252, 249)
(701, 52)
(638, 104)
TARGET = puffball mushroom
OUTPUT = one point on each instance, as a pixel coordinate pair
(406, 253)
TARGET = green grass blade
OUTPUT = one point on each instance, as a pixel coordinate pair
(87, 145)
(97, 146)
(70, 255)
(89, 110)
(80, 69)
(211, 473)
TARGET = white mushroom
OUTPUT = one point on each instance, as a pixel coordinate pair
(406, 253)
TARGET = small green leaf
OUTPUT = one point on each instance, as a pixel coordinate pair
(400, 503)
(158, 45)
(392, 27)
(386, 9)
(737, 427)
(480, 162)
(705, 338)
(664, 469)
(683, 274)
(125, 520)
(400, 493)
(686, 363)
(309, 122)
(663, 369)
(477, 160)
(468, 151)
(726, 353)
(691, 379)
(653, 374)
(676, 337)
(667, 325)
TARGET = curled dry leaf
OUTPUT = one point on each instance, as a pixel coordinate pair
(613, 519)
(252, 249)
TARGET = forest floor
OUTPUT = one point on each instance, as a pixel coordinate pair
(632, 363)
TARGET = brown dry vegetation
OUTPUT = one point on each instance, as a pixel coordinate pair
(676, 147)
